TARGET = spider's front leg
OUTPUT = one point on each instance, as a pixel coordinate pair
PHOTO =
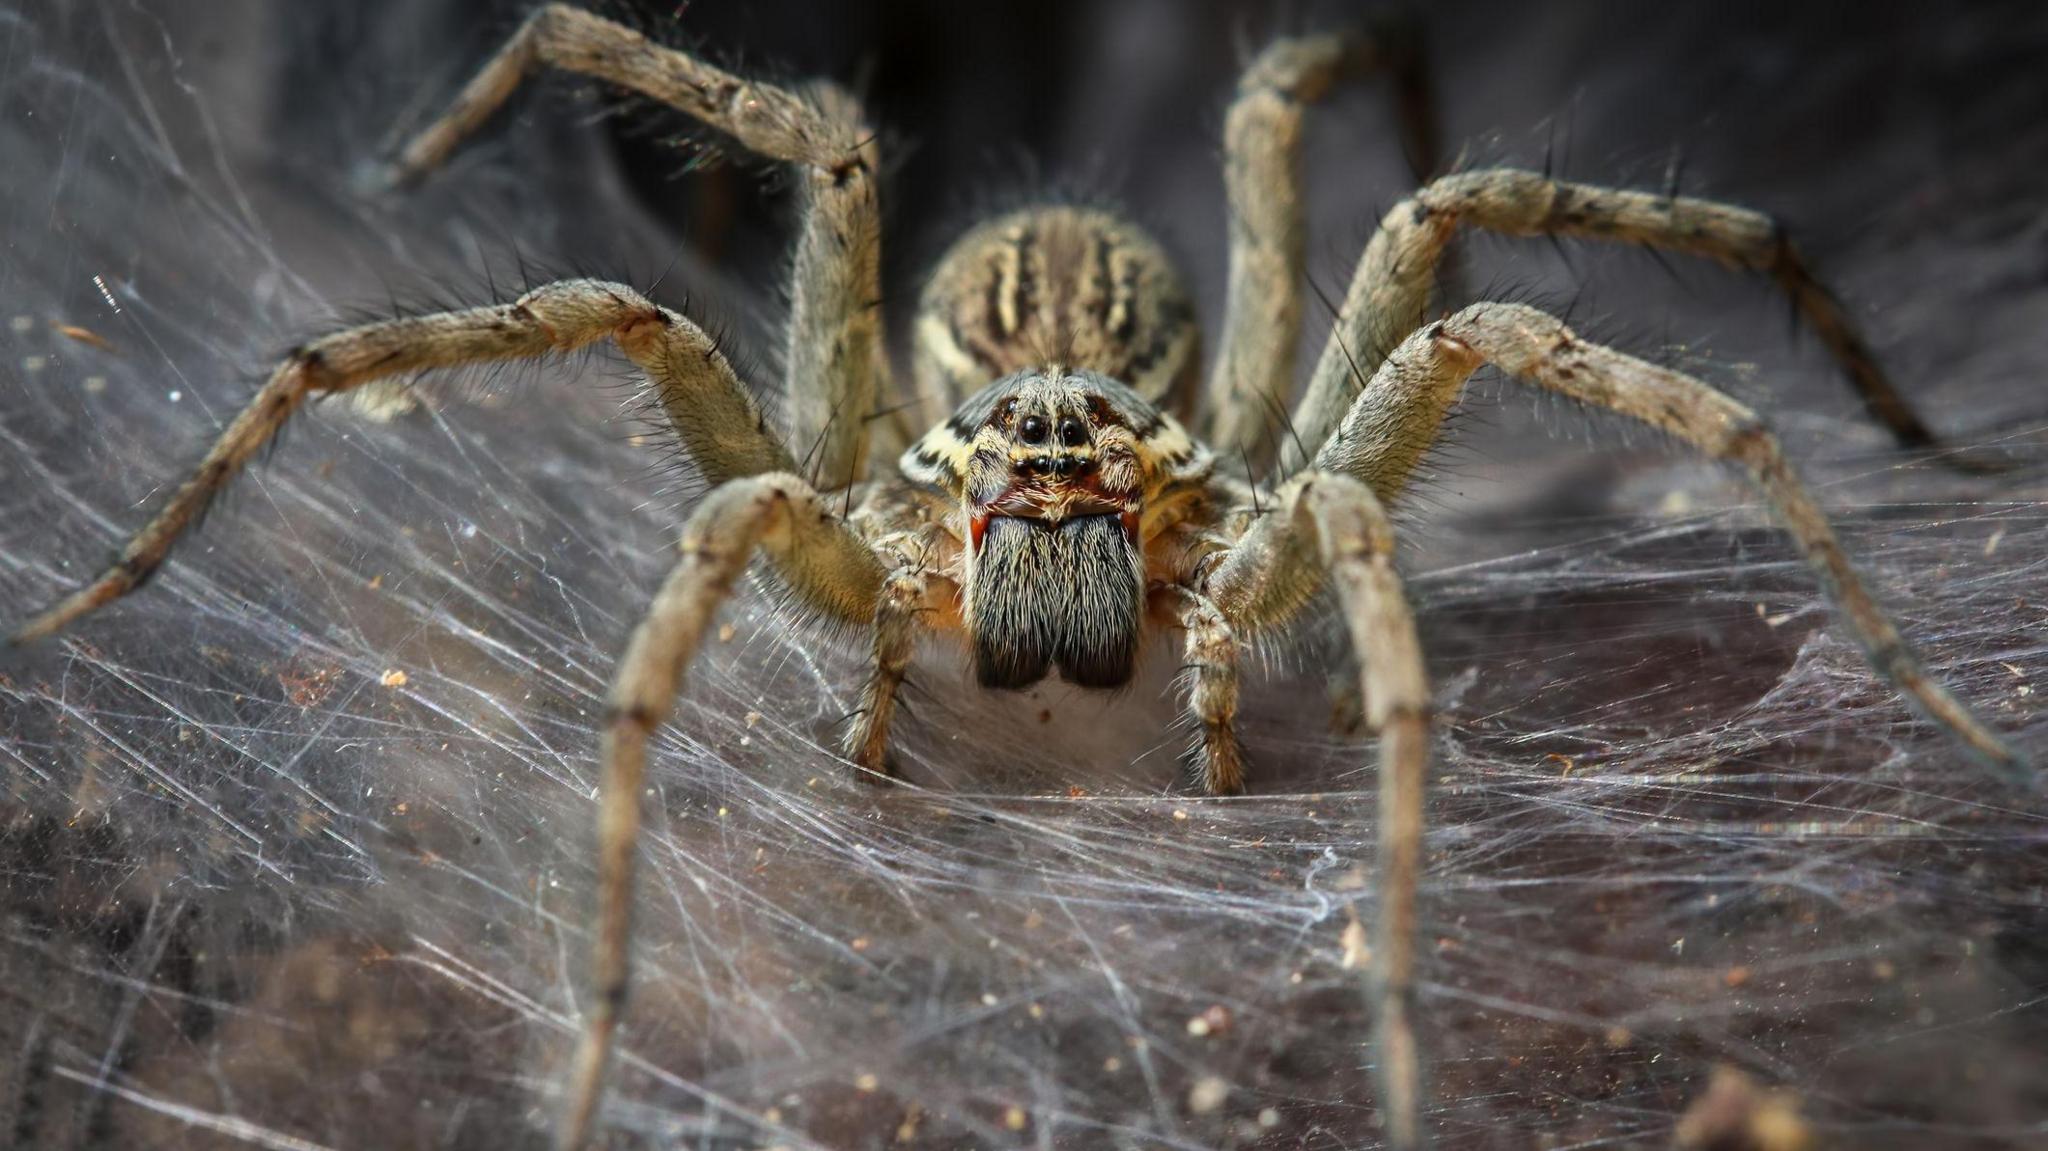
(1262, 136)
(717, 419)
(830, 567)
(834, 358)
(1391, 290)
(1397, 416)
(1209, 668)
(1329, 530)
(897, 607)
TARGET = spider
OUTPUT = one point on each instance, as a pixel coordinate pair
(1070, 497)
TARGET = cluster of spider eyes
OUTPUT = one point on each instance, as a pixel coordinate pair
(1034, 429)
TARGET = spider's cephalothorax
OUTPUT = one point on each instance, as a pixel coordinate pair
(1062, 476)
(1064, 506)
(1062, 470)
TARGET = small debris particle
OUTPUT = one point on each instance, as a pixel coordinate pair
(1564, 761)
(866, 1082)
(1180, 815)
(1619, 1036)
(1884, 970)
(726, 631)
(1113, 1065)
(753, 719)
(1357, 951)
(1269, 1118)
(1991, 545)
(1015, 1119)
(393, 678)
(1213, 1021)
(88, 336)
(383, 401)
(988, 999)
(1736, 1114)
(308, 689)
(33, 364)
(377, 582)
(21, 325)
(722, 812)
(1207, 1094)
(860, 943)
(907, 1130)
(1736, 976)
(1037, 1012)
(94, 385)
(1076, 791)
(1045, 715)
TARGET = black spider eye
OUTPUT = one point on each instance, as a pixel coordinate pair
(1073, 433)
(1032, 430)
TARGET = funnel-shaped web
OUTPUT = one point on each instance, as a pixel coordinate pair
(296, 847)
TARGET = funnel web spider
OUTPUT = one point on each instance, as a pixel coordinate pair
(1068, 498)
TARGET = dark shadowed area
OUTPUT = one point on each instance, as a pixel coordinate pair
(296, 845)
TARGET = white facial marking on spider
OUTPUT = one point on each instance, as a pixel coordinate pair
(1062, 511)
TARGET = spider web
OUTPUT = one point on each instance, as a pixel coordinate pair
(297, 842)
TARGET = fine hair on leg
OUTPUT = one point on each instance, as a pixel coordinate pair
(1399, 413)
(717, 419)
(834, 357)
(782, 515)
(1252, 378)
(1390, 291)
(1329, 529)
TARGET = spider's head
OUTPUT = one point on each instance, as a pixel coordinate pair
(1054, 471)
